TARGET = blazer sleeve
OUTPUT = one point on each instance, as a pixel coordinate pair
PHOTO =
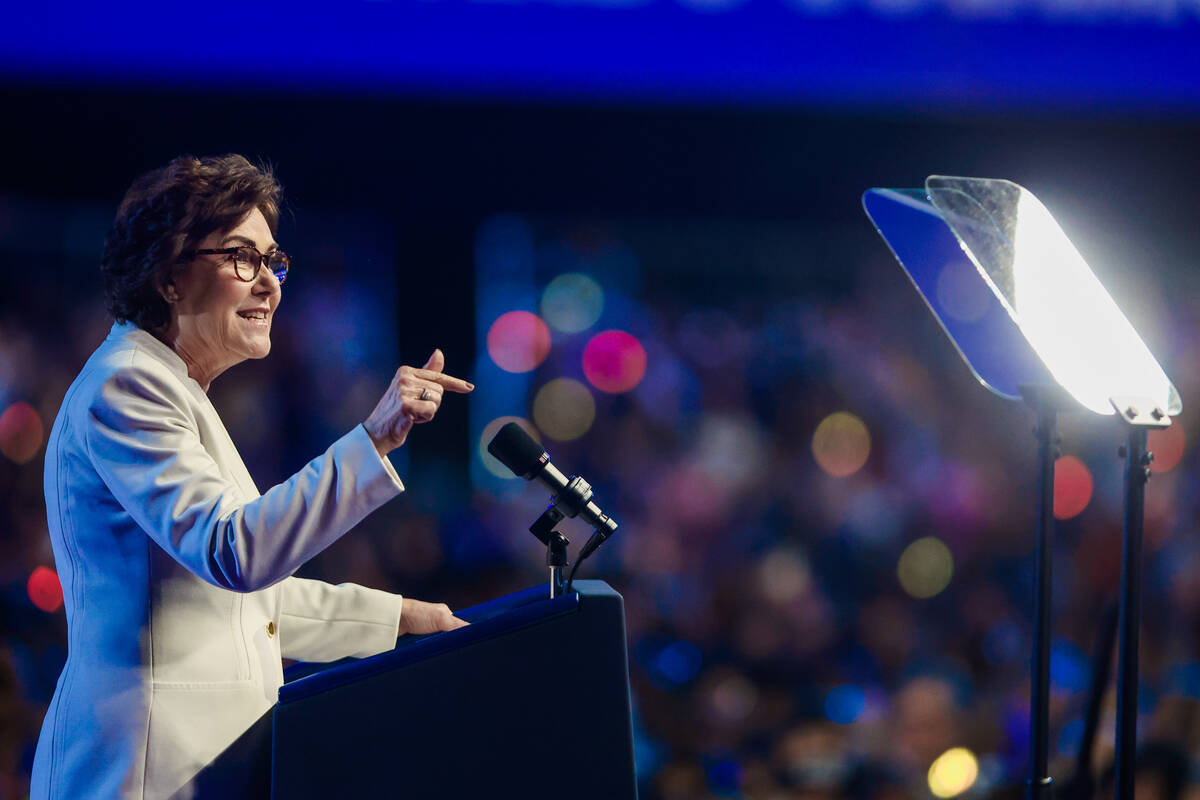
(145, 447)
(322, 622)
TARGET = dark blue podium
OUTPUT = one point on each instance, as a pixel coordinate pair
(531, 700)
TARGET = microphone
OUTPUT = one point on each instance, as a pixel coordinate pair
(515, 449)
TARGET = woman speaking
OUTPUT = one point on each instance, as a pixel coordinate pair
(176, 572)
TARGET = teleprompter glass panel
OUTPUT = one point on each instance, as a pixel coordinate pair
(1060, 307)
(960, 298)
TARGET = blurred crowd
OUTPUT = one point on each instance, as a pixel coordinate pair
(826, 523)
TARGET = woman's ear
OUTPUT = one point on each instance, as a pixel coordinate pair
(166, 288)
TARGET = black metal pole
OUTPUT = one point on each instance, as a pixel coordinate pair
(1040, 783)
(1137, 470)
(1082, 786)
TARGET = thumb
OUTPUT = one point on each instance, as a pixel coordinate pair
(436, 361)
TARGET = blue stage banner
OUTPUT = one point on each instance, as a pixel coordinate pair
(1137, 55)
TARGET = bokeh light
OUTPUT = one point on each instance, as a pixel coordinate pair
(841, 444)
(678, 662)
(1070, 667)
(784, 575)
(518, 341)
(845, 704)
(1168, 446)
(953, 772)
(490, 462)
(572, 302)
(925, 567)
(44, 589)
(733, 698)
(564, 409)
(21, 432)
(614, 361)
(725, 777)
(1072, 487)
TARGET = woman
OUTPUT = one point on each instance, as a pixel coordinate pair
(176, 572)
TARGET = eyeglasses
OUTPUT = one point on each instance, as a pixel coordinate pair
(247, 261)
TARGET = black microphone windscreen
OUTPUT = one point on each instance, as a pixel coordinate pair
(517, 450)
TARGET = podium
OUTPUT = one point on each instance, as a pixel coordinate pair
(531, 700)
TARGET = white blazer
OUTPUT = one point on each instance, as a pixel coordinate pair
(175, 575)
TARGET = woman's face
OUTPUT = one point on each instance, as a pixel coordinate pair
(219, 319)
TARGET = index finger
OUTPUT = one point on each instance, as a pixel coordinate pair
(449, 382)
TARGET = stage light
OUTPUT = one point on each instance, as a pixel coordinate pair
(44, 589)
(953, 772)
(614, 361)
(572, 302)
(1168, 446)
(841, 444)
(845, 704)
(1072, 487)
(564, 409)
(925, 567)
(490, 462)
(518, 341)
(21, 432)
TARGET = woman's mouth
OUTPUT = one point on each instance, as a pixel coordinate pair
(256, 316)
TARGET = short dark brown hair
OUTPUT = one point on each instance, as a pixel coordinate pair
(168, 212)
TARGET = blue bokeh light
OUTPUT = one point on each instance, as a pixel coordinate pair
(844, 704)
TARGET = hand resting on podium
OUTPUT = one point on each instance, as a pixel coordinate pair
(417, 616)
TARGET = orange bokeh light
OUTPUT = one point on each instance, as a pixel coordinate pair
(841, 444)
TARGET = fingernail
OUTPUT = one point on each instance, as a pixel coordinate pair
(470, 385)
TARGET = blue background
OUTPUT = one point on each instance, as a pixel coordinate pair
(1047, 54)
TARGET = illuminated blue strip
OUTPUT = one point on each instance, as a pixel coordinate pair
(891, 52)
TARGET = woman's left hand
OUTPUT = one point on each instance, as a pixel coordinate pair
(417, 616)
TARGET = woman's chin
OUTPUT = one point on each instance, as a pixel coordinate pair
(259, 346)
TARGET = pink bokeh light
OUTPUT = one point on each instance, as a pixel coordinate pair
(614, 361)
(518, 341)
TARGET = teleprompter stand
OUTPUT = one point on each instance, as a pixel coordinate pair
(1039, 327)
(1046, 402)
(1140, 415)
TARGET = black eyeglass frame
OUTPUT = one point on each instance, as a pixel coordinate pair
(264, 259)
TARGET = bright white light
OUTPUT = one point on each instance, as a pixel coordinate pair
(1073, 324)
(1063, 311)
